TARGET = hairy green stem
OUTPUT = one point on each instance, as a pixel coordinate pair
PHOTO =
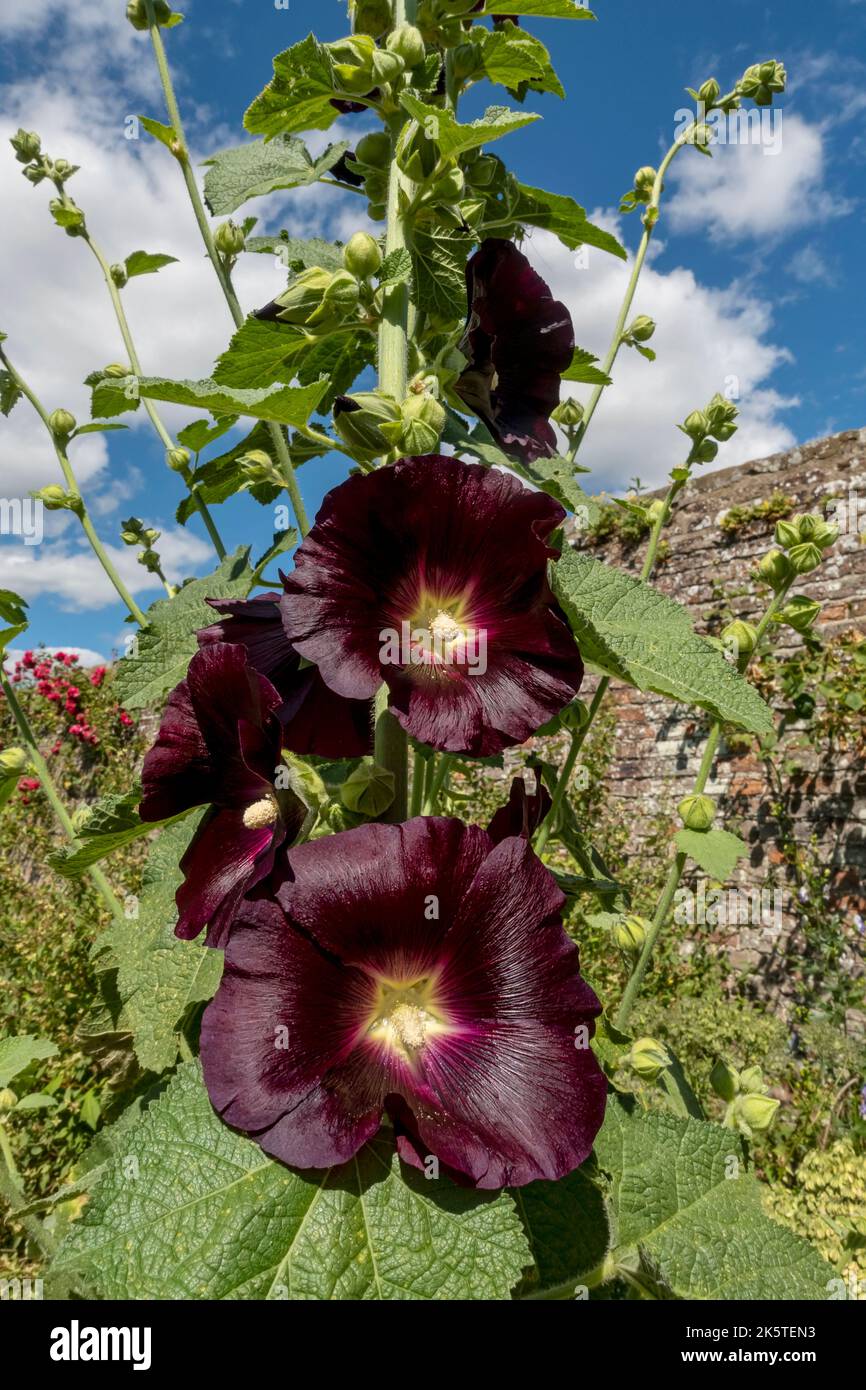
(438, 784)
(12, 1192)
(51, 792)
(72, 484)
(221, 271)
(390, 751)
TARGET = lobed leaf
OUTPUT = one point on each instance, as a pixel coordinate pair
(261, 167)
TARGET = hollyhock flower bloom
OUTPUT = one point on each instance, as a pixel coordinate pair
(519, 340)
(419, 970)
(314, 719)
(431, 576)
(523, 812)
(219, 745)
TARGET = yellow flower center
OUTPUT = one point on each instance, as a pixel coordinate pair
(261, 813)
(405, 1016)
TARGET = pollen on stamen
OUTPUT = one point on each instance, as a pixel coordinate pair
(410, 1024)
(260, 814)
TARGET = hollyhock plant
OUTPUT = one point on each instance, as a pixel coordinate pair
(519, 340)
(314, 718)
(420, 970)
(219, 745)
(397, 582)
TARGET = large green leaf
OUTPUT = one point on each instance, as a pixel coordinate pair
(259, 354)
(715, 851)
(162, 650)
(10, 392)
(518, 61)
(542, 9)
(684, 1202)
(297, 253)
(565, 218)
(16, 1054)
(261, 167)
(220, 478)
(211, 1217)
(569, 1232)
(439, 256)
(113, 822)
(452, 137)
(285, 405)
(628, 629)
(158, 976)
(582, 369)
(147, 262)
(554, 476)
(299, 95)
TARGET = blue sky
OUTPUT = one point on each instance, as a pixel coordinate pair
(757, 273)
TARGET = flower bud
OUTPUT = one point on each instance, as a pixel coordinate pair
(423, 420)
(649, 1058)
(787, 533)
(357, 420)
(630, 933)
(8, 1100)
(696, 425)
(54, 498)
(368, 790)
(721, 414)
(483, 171)
(449, 187)
(775, 570)
(644, 182)
(752, 1081)
(61, 423)
(27, 146)
(136, 13)
(387, 66)
(697, 812)
(641, 329)
(229, 239)
(303, 296)
(33, 174)
(361, 255)
(14, 762)
(574, 717)
(259, 469)
(116, 371)
(709, 92)
(467, 61)
(706, 451)
(372, 17)
(740, 635)
(805, 557)
(725, 1080)
(655, 510)
(406, 41)
(67, 216)
(374, 149)
(755, 1114)
(568, 413)
(339, 300)
(178, 459)
(799, 613)
(761, 81)
(119, 275)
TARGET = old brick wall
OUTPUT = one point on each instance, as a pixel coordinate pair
(658, 745)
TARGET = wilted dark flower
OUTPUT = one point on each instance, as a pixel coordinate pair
(219, 746)
(398, 582)
(314, 718)
(523, 812)
(418, 970)
(519, 340)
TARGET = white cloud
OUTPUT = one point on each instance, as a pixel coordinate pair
(706, 339)
(750, 191)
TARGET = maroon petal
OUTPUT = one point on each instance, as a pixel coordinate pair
(519, 340)
(523, 812)
(224, 861)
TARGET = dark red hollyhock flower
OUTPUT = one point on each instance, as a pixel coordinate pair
(523, 812)
(219, 745)
(419, 970)
(519, 340)
(314, 719)
(431, 576)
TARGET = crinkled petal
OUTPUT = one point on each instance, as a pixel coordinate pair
(223, 862)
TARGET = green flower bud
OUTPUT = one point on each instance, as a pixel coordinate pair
(805, 557)
(372, 17)
(54, 498)
(815, 529)
(699, 134)
(775, 570)
(136, 13)
(449, 187)
(131, 530)
(754, 1114)
(725, 1080)
(761, 81)
(387, 66)
(339, 300)
(407, 42)
(362, 256)
(14, 762)
(721, 414)
(8, 1100)
(697, 812)
(655, 510)
(368, 790)
(61, 423)
(696, 425)
(116, 371)
(641, 329)
(374, 149)
(304, 295)
(644, 182)
(33, 174)
(706, 451)
(178, 459)
(752, 1081)
(568, 413)
(482, 171)
(64, 170)
(353, 63)
(27, 146)
(467, 61)
(787, 533)
(70, 218)
(630, 933)
(119, 275)
(799, 612)
(259, 469)
(229, 239)
(742, 635)
(709, 92)
(649, 1058)
(358, 420)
